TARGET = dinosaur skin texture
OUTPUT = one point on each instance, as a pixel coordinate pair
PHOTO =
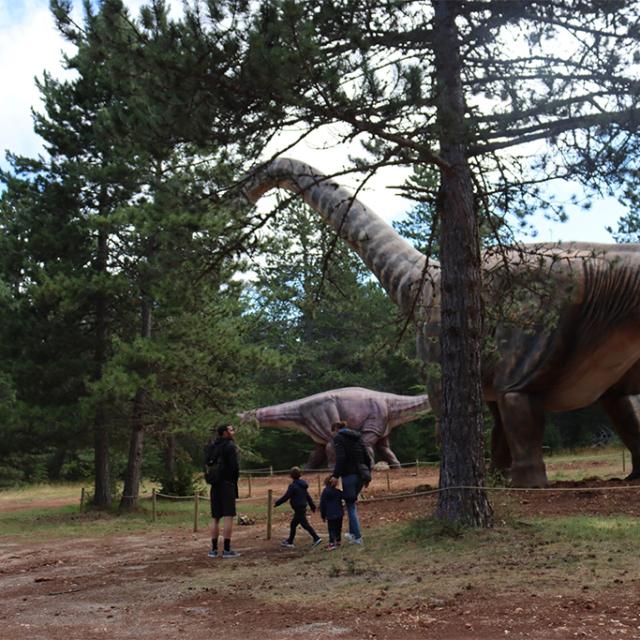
(562, 325)
(374, 413)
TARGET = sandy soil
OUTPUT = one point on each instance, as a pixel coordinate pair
(162, 585)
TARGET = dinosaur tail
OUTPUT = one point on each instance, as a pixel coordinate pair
(406, 408)
(399, 267)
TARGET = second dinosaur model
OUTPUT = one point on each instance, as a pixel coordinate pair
(374, 413)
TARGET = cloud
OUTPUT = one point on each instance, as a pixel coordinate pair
(29, 44)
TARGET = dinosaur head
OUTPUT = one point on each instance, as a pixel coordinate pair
(247, 416)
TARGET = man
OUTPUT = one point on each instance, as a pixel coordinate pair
(351, 455)
(224, 489)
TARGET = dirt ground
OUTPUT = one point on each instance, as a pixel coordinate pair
(162, 585)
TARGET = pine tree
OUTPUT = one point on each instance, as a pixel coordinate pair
(116, 250)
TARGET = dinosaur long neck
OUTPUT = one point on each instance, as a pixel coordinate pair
(399, 267)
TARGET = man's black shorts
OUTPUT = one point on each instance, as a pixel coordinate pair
(223, 500)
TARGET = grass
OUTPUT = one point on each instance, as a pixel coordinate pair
(69, 520)
(41, 492)
(423, 562)
(605, 462)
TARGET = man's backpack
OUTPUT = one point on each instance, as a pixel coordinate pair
(364, 472)
(357, 452)
(214, 465)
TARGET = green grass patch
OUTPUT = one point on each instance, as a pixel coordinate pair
(603, 462)
(611, 531)
(423, 561)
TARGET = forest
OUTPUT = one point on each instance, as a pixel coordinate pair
(140, 308)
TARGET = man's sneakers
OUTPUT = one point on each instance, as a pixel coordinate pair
(332, 546)
(316, 542)
(230, 553)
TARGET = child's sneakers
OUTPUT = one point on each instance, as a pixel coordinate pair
(316, 542)
(287, 545)
(230, 554)
(213, 553)
(332, 546)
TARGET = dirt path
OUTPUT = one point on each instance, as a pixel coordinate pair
(161, 586)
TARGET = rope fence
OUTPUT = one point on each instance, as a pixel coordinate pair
(249, 498)
(270, 471)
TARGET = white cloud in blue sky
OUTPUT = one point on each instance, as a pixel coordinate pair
(29, 44)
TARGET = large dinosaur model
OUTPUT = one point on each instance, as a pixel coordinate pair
(374, 413)
(562, 327)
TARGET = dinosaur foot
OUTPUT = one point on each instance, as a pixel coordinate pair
(528, 476)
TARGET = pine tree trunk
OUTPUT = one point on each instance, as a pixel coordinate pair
(133, 474)
(102, 481)
(461, 322)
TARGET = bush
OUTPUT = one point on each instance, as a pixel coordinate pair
(181, 483)
(78, 466)
(11, 476)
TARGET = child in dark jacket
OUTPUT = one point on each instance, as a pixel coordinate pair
(298, 495)
(332, 511)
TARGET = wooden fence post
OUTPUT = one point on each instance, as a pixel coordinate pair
(388, 481)
(417, 467)
(196, 509)
(271, 470)
(153, 505)
(269, 512)
(249, 478)
(82, 495)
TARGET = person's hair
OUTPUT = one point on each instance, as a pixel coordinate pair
(336, 426)
(327, 480)
(295, 472)
(222, 428)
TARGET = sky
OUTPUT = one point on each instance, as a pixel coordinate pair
(30, 44)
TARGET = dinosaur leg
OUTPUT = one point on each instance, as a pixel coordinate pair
(370, 440)
(500, 454)
(523, 426)
(384, 450)
(317, 458)
(624, 413)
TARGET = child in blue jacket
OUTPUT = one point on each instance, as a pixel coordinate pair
(298, 495)
(332, 511)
